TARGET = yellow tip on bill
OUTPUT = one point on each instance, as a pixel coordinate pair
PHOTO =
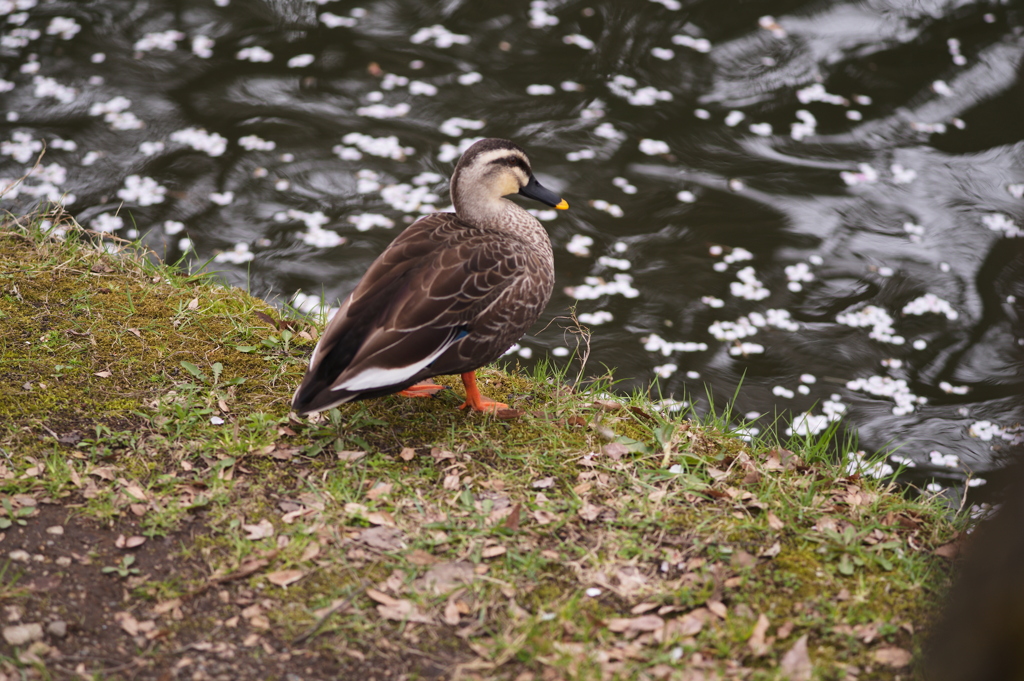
(562, 205)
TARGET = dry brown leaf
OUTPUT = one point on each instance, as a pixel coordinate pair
(166, 606)
(350, 455)
(444, 577)
(311, 551)
(772, 551)
(451, 613)
(689, 624)
(785, 630)
(493, 551)
(893, 657)
(135, 491)
(543, 517)
(382, 537)
(590, 512)
(404, 611)
(756, 642)
(774, 522)
(543, 483)
(407, 454)
(796, 663)
(381, 597)
(421, 557)
(244, 570)
(261, 530)
(127, 622)
(381, 518)
(628, 625)
(641, 608)
(718, 609)
(379, 491)
(103, 472)
(103, 374)
(285, 577)
(512, 521)
(615, 450)
(717, 474)
(742, 559)
(451, 481)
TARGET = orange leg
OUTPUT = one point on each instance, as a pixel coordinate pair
(473, 397)
(421, 390)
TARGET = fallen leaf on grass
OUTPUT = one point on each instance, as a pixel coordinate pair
(641, 608)
(512, 521)
(742, 559)
(381, 518)
(407, 454)
(892, 657)
(774, 522)
(756, 642)
(635, 625)
(350, 455)
(285, 577)
(492, 551)
(380, 490)
(421, 557)
(590, 512)
(404, 611)
(950, 550)
(103, 374)
(244, 570)
(796, 663)
(615, 450)
(260, 530)
(451, 613)
(311, 551)
(772, 551)
(689, 624)
(543, 483)
(103, 472)
(397, 609)
(382, 537)
(444, 577)
(717, 608)
(380, 597)
(544, 517)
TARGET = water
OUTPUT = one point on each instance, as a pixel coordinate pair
(821, 200)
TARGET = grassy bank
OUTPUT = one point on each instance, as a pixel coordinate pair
(164, 516)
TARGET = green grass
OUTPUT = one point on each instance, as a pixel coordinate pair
(584, 536)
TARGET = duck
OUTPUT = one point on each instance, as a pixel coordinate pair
(452, 293)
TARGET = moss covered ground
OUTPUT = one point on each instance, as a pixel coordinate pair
(163, 515)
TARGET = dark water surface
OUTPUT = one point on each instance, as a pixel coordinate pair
(821, 199)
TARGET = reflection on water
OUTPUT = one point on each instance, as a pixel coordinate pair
(823, 204)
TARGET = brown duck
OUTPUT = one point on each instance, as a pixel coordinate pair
(452, 293)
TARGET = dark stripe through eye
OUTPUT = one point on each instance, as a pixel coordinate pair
(512, 162)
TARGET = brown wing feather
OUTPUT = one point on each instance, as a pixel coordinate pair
(440, 275)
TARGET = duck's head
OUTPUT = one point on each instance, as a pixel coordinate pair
(490, 169)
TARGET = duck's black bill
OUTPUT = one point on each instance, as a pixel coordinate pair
(538, 192)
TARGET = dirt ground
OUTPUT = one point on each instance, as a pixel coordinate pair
(86, 623)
